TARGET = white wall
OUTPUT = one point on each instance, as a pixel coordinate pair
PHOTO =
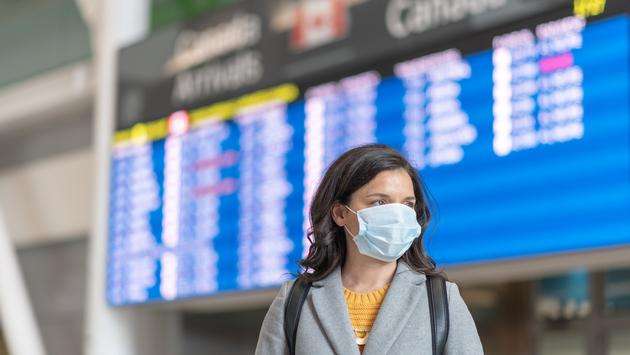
(48, 200)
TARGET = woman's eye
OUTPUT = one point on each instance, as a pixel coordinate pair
(379, 202)
(410, 204)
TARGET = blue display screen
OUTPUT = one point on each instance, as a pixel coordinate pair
(524, 147)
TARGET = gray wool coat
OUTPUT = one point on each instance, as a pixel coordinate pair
(401, 325)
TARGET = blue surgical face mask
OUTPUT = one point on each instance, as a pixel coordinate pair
(386, 231)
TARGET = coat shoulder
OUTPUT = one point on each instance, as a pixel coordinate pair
(271, 337)
(287, 284)
(453, 294)
(463, 337)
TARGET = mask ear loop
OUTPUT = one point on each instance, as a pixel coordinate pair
(346, 206)
(347, 230)
(344, 226)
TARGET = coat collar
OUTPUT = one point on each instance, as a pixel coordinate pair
(332, 311)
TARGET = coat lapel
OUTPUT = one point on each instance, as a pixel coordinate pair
(402, 296)
(332, 312)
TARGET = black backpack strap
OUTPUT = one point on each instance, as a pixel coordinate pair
(438, 311)
(293, 309)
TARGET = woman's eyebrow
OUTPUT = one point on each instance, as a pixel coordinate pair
(377, 194)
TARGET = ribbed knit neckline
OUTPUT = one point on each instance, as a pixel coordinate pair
(370, 297)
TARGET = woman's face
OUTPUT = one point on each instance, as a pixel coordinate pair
(389, 186)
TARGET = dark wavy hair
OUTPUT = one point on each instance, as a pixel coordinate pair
(344, 176)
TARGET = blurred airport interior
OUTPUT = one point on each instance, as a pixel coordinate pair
(157, 160)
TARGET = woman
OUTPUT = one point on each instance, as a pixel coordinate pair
(368, 267)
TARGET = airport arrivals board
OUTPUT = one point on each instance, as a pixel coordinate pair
(521, 134)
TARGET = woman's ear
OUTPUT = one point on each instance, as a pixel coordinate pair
(338, 213)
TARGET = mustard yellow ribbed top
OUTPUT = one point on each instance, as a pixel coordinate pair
(363, 308)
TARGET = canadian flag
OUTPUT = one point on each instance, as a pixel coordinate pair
(318, 22)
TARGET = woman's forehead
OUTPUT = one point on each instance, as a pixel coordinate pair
(393, 183)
